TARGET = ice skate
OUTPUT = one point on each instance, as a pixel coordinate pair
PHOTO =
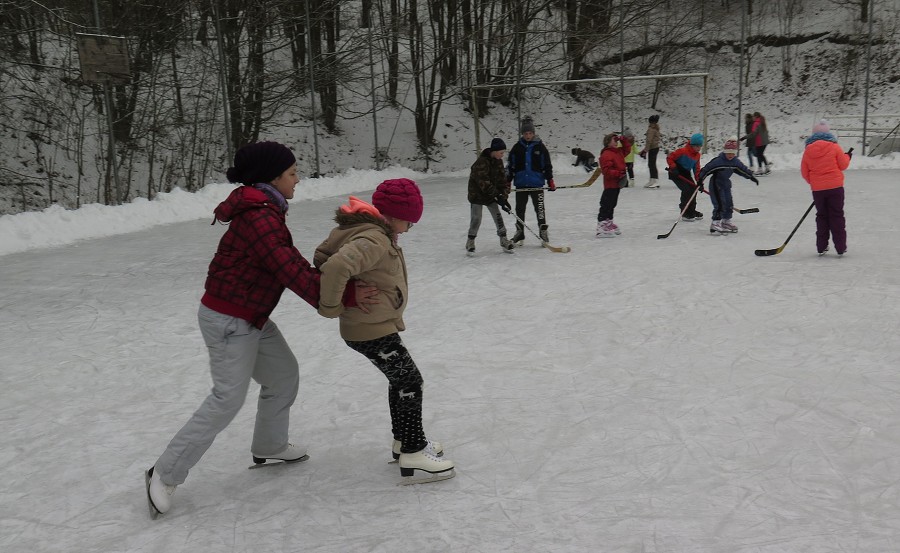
(652, 183)
(470, 245)
(545, 236)
(614, 227)
(729, 226)
(603, 230)
(519, 237)
(507, 245)
(290, 454)
(159, 495)
(437, 467)
(434, 448)
(716, 227)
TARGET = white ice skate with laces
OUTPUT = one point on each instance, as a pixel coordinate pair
(425, 460)
(435, 448)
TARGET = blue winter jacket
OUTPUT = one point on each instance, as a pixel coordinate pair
(529, 164)
(721, 168)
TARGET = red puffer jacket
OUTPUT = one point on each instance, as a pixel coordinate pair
(256, 260)
(612, 163)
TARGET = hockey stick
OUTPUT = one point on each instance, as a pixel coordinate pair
(555, 249)
(590, 181)
(666, 235)
(778, 250)
(737, 210)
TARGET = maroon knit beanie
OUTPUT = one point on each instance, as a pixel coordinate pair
(260, 162)
(400, 199)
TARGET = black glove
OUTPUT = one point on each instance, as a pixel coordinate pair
(504, 203)
(849, 153)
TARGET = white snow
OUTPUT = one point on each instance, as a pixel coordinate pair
(635, 395)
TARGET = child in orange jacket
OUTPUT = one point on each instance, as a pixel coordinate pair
(822, 166)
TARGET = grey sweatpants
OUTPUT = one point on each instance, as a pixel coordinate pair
(238, 351)
(475, 219)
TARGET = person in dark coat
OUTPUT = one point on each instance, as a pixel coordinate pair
(487, 188)
(585, 159)
(528, 169)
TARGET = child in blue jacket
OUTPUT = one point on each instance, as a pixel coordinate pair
(720, 170)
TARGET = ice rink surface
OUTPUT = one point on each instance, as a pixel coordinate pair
(635, 395)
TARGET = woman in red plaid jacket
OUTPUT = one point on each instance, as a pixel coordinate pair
(255, 262)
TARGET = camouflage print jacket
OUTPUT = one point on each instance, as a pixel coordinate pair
(487, 179)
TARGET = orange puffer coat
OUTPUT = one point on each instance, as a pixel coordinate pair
(823, 164)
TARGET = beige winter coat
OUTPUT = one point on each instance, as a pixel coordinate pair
(652, 137)
(362, 247)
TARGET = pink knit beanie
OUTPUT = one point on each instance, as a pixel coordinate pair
(821, 126)
(400, 199)
(731, 145)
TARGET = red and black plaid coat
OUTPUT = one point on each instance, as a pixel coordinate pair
(256, 260)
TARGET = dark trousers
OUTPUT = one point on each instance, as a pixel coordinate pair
(608, 201)
(651, 162)
(830, 219)
(390, 356)
(760, 153)
(720, 196)
(629, 166)
(537, 200)
(687, 192)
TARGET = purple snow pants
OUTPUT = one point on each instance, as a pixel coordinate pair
(830, 219)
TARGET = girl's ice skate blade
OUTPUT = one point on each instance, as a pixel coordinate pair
(290, 454)
(426, 461)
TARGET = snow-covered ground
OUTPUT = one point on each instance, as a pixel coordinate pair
(634, 395)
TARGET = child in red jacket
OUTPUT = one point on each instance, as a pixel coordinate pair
(612, 165)
(683, 166)
(822, 166)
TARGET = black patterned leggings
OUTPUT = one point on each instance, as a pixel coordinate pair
(404, 388)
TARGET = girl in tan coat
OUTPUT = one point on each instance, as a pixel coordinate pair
(364, 246)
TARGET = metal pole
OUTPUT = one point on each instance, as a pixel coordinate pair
(519, 48)
(477, 122)
(374, 104)
(705, 102)
(312, 87)
(868, 67)
(741, 70)
(622, 68)
(108, 103)
(223, 84)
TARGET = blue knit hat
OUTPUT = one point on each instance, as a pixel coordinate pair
(697, 139)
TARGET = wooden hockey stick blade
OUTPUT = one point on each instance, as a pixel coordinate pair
(750, 210)
(556, 249)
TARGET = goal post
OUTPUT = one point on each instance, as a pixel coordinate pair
(704, 76)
